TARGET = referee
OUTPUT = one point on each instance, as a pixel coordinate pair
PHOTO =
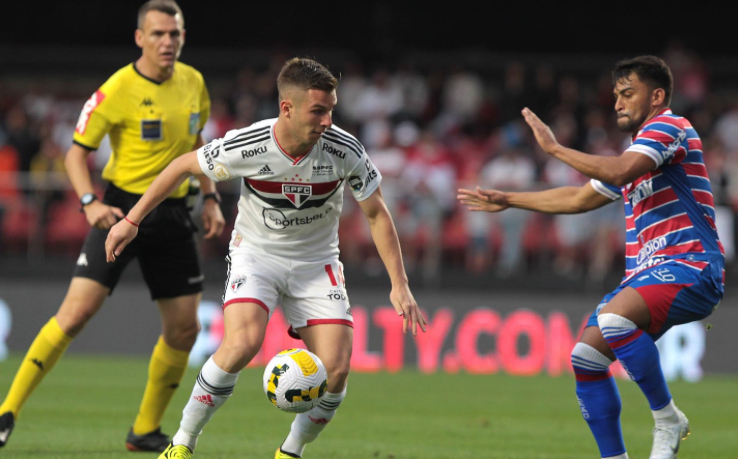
(153, 110)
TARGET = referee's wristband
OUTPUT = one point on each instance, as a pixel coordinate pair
(214, 196)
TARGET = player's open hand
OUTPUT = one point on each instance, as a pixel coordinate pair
(212, 219)
(483, 200)
(120, 235)
(101, 215)
(543, 133)
(405, 306)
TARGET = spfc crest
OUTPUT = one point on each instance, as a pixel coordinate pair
(237, 283)
(297, 194)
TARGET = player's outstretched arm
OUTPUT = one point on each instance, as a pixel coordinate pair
(122, 233)
(615, 170)
(385, 239)
(563, 200)
(483, 200)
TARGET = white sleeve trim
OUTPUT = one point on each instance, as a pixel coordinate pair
(603, 190)
(648, 151)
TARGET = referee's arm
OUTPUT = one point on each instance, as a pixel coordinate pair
(98, 214)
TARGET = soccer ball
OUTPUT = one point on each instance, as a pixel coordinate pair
(295, 380)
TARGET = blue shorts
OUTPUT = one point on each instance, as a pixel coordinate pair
(675, 294)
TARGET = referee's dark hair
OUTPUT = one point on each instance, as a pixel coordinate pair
(169, 7)
(305, 74)
(651, 70)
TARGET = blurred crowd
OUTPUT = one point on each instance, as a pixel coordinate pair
(429, 131)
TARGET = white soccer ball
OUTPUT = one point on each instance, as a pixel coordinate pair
(295, 380)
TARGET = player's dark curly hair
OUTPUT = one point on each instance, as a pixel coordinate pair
(169, 7)
(651, 70)
(305, 74)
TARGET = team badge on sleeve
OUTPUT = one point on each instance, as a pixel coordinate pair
(221, 172)
(355, 183)
(194, 123)
(87, 110)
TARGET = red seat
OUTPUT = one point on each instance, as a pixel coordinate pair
(19, 225)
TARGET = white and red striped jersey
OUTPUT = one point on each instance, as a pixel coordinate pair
(669, 212)
(289, 206)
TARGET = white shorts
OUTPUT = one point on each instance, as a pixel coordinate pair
(310, 292)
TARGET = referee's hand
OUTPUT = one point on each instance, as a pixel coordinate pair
(212, 219)
(120, 235)
(101, 215)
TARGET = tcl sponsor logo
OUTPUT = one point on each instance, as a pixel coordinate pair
(87, 110)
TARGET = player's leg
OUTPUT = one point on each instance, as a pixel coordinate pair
(317, 306)
(646, 307)
(93, 281)
(166, 368)
(171, 268)
(82, 301)
(244, 330)
(597, 393)
(623, 323)
(333, 344)
(251, 291)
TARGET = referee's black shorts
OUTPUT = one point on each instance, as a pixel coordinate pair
(166, 249)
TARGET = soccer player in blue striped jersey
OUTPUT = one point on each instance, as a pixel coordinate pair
(674, 259)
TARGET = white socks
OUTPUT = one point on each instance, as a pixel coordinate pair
(212, 389)
(307, 426)
(666, 416)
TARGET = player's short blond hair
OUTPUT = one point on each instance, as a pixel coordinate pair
(304, 73)
(169, 7)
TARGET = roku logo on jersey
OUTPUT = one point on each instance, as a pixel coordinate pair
(256, 151)
(87, 110)
(641, 192)
(334, 151)
(651, 247)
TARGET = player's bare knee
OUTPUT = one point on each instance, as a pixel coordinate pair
(183, 336)
(337, 377)
(237, 353)
(73, 315)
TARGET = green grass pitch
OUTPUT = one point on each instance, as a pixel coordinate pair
(85, 407)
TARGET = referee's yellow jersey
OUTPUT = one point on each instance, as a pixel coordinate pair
(149, 123)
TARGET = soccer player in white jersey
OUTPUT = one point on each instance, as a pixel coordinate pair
(284, 246)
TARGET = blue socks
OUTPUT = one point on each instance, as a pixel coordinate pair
(639, 356)
(599, 399)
